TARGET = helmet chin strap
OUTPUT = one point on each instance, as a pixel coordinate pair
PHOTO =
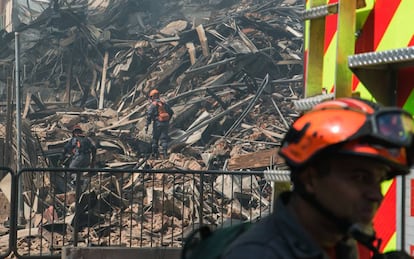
(365, 236)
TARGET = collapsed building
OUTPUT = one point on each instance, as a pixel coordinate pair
(94, 64)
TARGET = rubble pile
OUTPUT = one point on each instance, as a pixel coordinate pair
(229, 69)
(82, 68)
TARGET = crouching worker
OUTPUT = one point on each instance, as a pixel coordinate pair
(339, 153)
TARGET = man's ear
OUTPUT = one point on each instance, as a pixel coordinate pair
(308, 177)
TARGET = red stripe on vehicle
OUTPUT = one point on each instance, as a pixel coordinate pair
(385, 215)
(405, 81)
(376, 25)
(331, 24)
(355, 82)
(411, 43)
(405, 85)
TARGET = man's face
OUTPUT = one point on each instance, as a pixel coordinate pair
(352, 188)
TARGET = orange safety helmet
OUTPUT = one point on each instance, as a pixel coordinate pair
(153, 92)
(351, 126)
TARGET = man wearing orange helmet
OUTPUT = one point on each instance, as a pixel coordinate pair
(160, 113)
(339, 153)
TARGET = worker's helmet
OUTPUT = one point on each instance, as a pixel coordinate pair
(77, 129)
(355, 127)
(153, 93)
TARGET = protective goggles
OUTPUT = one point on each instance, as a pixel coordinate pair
(391, 125)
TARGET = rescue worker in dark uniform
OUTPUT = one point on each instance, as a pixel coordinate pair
(338, 154)
(80, 149)
(160, 114)
(78, 152)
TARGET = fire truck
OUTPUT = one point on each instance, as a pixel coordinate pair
(366, 48)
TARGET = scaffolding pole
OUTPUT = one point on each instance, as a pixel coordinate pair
(18, 127)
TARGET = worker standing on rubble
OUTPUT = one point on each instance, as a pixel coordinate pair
(80, 150)
(160, 113)
(339, 153)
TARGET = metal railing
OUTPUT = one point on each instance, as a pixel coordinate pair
(126, 208)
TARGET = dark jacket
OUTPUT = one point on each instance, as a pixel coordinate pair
(78, 152)
(280, 236)
(152, 114)
(85, 146)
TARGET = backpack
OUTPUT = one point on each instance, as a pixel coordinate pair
(163, 115)
(205, 243)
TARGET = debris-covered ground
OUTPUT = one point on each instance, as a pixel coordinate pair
(230, 70)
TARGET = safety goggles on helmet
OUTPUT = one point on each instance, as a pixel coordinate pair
(393, 126)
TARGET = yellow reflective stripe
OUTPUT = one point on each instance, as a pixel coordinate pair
(399, 31)
(329, 65)
(392, 244)
(385, 186)
(364, 93)
(409, 104)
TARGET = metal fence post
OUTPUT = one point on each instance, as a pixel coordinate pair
(77, 208)
(201, 197)
(13, 210)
